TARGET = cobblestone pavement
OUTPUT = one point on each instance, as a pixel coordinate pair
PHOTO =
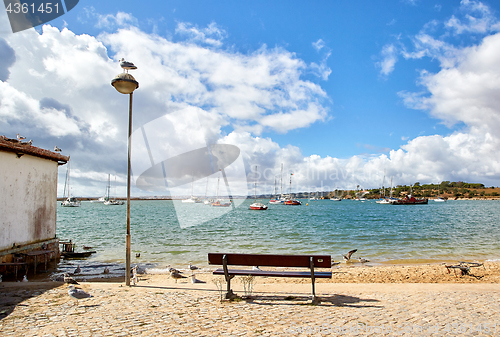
(185, 310)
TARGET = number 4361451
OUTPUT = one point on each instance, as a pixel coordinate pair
(25, 8)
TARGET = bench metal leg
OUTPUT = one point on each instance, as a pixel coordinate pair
(229, 294)
(313, 280)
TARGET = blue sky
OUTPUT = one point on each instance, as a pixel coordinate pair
(338, 91)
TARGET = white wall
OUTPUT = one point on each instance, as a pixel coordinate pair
(28, 194)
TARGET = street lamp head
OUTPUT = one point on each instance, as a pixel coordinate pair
(125, 83)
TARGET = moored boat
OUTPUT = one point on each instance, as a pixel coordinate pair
(411, 200)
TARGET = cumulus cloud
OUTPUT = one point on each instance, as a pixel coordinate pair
(80, 111)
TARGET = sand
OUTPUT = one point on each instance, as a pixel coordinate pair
(405, 300)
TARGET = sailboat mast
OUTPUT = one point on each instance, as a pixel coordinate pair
(281, 179)
(255, 183)
(109, 184)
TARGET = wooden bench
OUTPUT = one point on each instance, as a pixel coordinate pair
(268, 260)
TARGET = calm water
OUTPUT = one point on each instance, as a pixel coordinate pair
(451, 231)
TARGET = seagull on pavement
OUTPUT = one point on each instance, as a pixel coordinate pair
(25, 278)
(127, 65)
(77, 294)
(349, 254)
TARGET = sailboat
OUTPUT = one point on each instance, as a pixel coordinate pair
(258, 206)
(192, 199)
(70, 201)
(105, 197)
(281, 198)
(289, 201)
(439, 198)
(207, 201)
(112, 202)
(336, 196)
(219, 202)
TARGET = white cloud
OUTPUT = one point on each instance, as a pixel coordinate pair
(389, 55)
(108, 21)
(212, 35)
(318, 45)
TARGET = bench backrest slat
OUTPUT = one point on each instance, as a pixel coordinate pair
(270, 260)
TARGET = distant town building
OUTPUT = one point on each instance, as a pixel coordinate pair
(28, 203)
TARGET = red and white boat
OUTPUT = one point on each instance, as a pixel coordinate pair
(257, 206)
(289, 201)
(292, 202)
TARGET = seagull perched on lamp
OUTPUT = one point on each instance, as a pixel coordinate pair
(127, 65)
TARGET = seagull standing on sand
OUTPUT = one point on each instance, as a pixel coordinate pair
(57, 149)
(19, 137)
(77, 294)
(68, 279)
(195, 280)
(78, 270)
(349, 254)
(363, 260)
(176, 276)
(192, 268)
(106, 270)
(127, 65)
(170, 269)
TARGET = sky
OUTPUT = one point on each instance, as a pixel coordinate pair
(344, 94)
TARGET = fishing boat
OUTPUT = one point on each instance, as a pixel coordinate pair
(410, 200)
(257, 206)
(69, 201)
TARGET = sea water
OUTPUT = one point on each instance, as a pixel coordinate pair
(447, 231)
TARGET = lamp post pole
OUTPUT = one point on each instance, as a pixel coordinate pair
(127, 238)
(126, 84)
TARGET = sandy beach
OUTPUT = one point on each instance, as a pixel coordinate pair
(405, 300)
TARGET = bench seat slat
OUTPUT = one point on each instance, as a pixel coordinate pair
(273, 273)
(271, 260)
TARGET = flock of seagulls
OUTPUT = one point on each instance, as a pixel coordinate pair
(22, 139)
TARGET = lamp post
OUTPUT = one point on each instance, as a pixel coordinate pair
(126, 84)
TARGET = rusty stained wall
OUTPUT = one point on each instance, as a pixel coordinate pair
(28, 199)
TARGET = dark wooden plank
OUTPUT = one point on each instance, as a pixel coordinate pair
(273, 273)
(271, 260)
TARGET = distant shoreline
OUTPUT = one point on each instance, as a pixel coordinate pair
(250, 197)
